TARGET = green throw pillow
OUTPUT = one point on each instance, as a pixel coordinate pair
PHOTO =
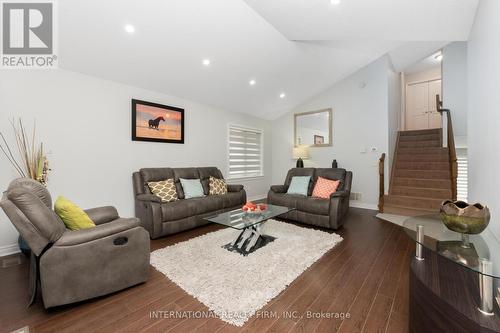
(73, 216)
(299, 185)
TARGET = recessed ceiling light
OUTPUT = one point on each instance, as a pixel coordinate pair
(335, 2)
(438, 57)
(282, 95)
(252, 82)
(206, 62)
(129, 28)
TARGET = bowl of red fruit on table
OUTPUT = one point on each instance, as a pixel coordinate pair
(254, 209)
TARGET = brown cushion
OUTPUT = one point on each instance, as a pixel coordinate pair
(312, 205)
(333, 174)
(190, 207)
(233, 199)
(186, 173)
(156, 174)
(205, 174)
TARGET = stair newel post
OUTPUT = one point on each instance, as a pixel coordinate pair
(419, 250)
(381, 173)
(451, 147)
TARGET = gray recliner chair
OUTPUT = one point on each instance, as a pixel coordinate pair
(71, 266)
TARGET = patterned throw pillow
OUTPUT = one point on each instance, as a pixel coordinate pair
(325, 187)
(164, 189)
(217, 186)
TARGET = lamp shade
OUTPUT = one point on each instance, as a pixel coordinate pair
(301, 152)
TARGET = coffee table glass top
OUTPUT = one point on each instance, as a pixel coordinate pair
(238, 219)
(439, 239)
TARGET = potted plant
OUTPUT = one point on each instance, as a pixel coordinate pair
(27, 157)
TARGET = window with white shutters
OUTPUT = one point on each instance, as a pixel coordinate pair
(245, 152)
(462, 181)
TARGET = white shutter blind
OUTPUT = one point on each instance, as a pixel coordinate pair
(245, 152)
(462, 192)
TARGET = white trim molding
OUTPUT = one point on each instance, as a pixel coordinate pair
(9, 249)
(257, 197)
(364, 205)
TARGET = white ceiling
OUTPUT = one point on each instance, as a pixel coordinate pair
(403, 20)
(172, 37)
(425, 64)
(412, 53)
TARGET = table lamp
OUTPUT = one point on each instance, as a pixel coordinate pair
(300, 153)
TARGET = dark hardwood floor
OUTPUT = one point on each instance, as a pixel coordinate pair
(366, 276)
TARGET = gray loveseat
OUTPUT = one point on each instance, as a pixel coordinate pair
(327, 213)
(166, 218)
(73, 266)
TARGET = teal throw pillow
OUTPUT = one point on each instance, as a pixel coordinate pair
(299, 185)
(192, 188)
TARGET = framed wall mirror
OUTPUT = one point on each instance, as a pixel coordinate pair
(313, 128)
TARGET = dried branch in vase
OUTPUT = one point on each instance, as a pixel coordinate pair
(31, 161)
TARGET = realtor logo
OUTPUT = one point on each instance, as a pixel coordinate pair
(28, 34)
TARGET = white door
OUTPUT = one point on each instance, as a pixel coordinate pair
(421, 110)
(434, 115)
(417, 100)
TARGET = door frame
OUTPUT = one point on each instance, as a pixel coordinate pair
(406, 85)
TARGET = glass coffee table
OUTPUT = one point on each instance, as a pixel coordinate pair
(250, 238)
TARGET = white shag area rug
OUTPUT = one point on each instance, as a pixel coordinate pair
(233, 286)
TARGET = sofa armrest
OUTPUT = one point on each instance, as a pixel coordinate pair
(278, 188)
(234, 188)
(148, 197)
(339, 194)
(102, 215)
(70, 238)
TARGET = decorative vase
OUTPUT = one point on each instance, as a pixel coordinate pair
(23, 246)
(466, 219)
(334, 164)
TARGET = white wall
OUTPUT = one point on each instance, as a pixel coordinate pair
(455, 88)
(85, 123)
(360, 122)
(394, 118)
(426, 75)
(483, 117)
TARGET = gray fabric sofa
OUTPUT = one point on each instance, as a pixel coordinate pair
(327, 213)
(73, 266)
(166, 218)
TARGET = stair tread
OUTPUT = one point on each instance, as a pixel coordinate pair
(426, 150)
(424, 131)
(408, 208)
(411, 197)
(421, 188)
(422, 141)
(417, 170)
(409, 178)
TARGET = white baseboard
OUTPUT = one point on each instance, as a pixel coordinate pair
(9, 249)
(364, 205)
(257, 197)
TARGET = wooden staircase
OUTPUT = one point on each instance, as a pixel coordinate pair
(421, 174)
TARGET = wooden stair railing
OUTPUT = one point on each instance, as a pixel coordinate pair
(381, 175)
(451, 148)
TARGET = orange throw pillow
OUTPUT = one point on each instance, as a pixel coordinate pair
(325, 187)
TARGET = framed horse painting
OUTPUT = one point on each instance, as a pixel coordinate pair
(157, 122)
